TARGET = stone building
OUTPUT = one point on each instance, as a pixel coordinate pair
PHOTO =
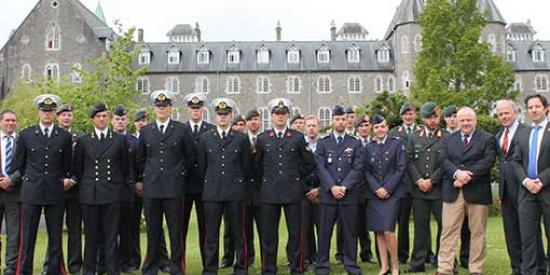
(348, 68)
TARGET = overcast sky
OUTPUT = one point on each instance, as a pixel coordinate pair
(224, 20)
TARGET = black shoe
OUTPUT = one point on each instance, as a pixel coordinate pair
(368, 260)
(225, 265)
(165, 269)
(416, 269)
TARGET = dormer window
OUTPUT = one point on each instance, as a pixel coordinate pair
(174, 56)
(323, 54)
(293, 55)
(144, 58)
(263, 55)
(203, 56)
(353, 54)
(538, 53)
(108, 44)
(233, 56)
(511, 53)
(383, 54)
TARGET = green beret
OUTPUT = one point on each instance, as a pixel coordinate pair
(429, 109)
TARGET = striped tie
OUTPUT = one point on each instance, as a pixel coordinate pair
(9, 154)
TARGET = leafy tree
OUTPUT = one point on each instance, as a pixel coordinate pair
(454, 67)
(112, 80)
(388, 105)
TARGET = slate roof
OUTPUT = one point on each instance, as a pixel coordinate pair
(524, 59)
(352, 28)
(101, 30)
(181, 29)
(278, 57)
(520, 28)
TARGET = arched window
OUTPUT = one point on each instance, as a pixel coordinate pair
(324, 117)
(353, 54)
(75, 74)
(354, 84)
(418, 43)
(293, 85)
(263, 55)
(538, 53)
(518, 84)
(541, 83)
(406, 80)
(264, 115)
(492, 42)
(53, 38)
(143, 85)
(404, 44)
(202, 85)
(263, 85)
(383, 54)
(391, 84)
(172, 84)
(203, 56)
(26, 72)
(51, 72)
(233, 85)
(378, 86)
(323, 84)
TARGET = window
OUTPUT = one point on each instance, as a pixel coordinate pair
(205, 116)
(233, 56)
(404, 44)
(391, 84)
(323, 55)
(511, 54)
(293, 85)
(518, 84)
(144, 58)
(406, 80)
(202, 85)
(143, 85)
(262, 85)
(175, 115)
(418, 43)
(383, 54)
(264, 115)
(172, 84)
(541, 83)
(353, 54)
(324, 117)
(293, 56)
(323, 84)
(108, 44)
(53, 38)
(51, 72)
(26, 72)
(491, 39)
(75, 74)
(203, 56)
(354, 84)
(173, 56)
(263, 55)
(378, 86)
(538, 53)
(233, 85)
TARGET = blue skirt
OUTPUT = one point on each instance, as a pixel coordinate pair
(382, 214)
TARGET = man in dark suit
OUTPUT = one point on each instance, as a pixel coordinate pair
(339, 164)
(531, 159)
(43, 161)
(101, 169)
(423, 167)
(283, 162)
(164, 157)
(466, 158)
(404, 131)
(10, 207)
(193, 183)
(224, 163)
(508, 184)
(73, 214)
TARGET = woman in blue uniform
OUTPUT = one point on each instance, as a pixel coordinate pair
(385, 158)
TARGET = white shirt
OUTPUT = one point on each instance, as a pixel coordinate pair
(50, 129)
(251, 136)
(199, 124)
(165, 124)
(221, 130)
(337, 135)
(99, 132)
(470, 135)
(311, 143)
(382, 141)
(280, 131)
(511, 131)
(3, 142)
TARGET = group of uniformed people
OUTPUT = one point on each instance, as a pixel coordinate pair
(360, 177)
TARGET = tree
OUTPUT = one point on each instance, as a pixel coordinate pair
(112, 80)
(454, 67)
(388, 105)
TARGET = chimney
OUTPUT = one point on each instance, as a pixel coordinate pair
(529, 22)
(140, 35)
(198, 32)
(332, 30)
(278, 31)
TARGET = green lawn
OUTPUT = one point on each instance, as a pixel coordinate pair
(497, 258)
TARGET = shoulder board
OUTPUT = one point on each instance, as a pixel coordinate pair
(352, 137)
(396, 138)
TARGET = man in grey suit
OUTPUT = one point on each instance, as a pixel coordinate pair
(532, 168)
(9, 194)
(508, 184)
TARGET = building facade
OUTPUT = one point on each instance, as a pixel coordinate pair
(347, 69)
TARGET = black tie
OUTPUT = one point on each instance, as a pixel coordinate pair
(466, 141)
(431, 135)
(254, 140)
(102, 137)
(280, 135)
(223, 134)
(46, 130)
(162, 129)
(340, 139)
(195, 129)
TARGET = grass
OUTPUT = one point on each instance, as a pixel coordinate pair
(496, 263)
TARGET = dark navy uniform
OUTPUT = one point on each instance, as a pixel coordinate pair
(423, 155)
(42, 162)
(163, 160)
(284, 163)
(101, 169)
(339, 163)
(385, 165)
(193, 192)
(226, 166)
